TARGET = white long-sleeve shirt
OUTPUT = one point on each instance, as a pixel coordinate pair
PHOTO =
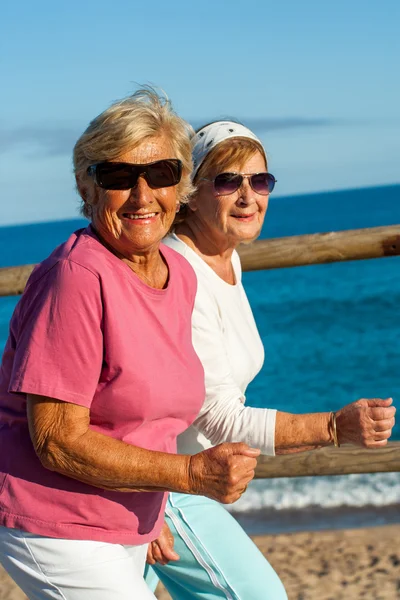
(228, 344)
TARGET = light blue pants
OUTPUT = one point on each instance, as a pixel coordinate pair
(217, 558)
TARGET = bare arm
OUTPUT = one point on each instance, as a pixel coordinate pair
(64, 443)
(298, 433)
(365, 423)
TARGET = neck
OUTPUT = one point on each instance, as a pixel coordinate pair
(150, 267)
(216, 253)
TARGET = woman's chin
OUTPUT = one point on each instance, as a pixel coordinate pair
(143, 236)
(246, 234)
(250, 240)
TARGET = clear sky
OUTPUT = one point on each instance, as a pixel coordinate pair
(317, 80)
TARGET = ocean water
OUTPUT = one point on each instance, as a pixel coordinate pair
(331, 336)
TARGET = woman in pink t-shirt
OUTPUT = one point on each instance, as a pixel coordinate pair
(99, 374)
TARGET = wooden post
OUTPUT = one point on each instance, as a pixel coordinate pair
(331, 461)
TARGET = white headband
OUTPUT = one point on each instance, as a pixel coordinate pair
(212, 135)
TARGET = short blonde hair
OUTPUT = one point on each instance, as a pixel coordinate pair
(125, 125)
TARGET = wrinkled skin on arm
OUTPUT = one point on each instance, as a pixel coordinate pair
(366, 422)
(65, 443)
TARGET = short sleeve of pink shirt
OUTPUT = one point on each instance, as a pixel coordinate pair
(89, 332)
(59, 349)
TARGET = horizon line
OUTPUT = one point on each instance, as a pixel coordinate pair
(283, 196)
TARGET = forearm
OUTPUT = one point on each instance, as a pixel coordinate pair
(104, 462)
(65, 443)
(297, 449)
(298, 433)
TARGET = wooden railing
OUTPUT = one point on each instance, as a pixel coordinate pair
(319, 248)
(294, 251)
(277, 253)
(331, 461)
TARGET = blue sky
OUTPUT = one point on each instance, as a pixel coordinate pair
(318, 81)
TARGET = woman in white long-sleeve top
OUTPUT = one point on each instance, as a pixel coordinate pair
(217, 559)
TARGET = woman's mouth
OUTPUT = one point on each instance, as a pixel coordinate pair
(142, 218)
(244, 217)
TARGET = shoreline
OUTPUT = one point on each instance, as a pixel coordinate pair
(267, 521)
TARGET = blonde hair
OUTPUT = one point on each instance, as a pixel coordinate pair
(125, 125)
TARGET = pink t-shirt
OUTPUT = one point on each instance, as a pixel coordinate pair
(89, 332)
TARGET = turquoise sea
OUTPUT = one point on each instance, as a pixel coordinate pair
(331, 336)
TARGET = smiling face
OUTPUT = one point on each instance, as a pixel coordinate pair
(235, 218)
(133, 222)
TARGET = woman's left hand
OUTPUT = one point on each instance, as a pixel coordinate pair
(162, 550)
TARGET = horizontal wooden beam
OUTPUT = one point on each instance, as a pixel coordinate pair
(291, 252)
(278, 253)
(318, 248)
(331, 461)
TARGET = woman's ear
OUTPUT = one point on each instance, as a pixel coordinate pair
(192, 204)
(82, 186)
(87, 191)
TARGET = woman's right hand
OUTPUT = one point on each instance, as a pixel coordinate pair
(223, 472)
(366, 423)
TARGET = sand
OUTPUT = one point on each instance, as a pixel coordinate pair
(335, 565)
(325, 565)
(8, 590)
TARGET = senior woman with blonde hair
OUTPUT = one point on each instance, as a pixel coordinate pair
(213, 557)
(99, 374)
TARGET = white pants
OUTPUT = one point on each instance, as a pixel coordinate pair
(62, 569)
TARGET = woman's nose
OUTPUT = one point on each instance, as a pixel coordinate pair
(142, 193)
(246, 193)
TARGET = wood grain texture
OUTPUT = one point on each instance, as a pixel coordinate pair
(278, 253)
(319, 248)
(13, 279)
(331, 461)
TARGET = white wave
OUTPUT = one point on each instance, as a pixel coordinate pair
(378, 489)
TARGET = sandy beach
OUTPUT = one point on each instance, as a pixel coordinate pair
(325, 565)
(335, 565)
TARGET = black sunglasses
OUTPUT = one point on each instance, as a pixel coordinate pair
(124, 176)
(228, 183)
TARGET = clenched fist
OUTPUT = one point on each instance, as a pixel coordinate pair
(162, 550)
(223, 472)
(367, 423)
